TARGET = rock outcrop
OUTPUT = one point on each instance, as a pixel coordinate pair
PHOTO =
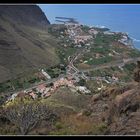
(119, 108)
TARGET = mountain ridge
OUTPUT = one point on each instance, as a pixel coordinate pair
(32, 14)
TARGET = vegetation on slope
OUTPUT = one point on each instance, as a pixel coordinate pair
(23, 46)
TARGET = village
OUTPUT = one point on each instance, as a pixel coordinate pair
(77, 35)
(73, 75)
(45, 90)
(80, 38)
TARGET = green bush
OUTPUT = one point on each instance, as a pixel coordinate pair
(130, 67)
(82, 82)
(58, 125)
(103, 50)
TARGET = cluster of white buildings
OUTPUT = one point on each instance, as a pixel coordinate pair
(125, 40)
(93, 31)
(44, 91)
(82, 38)
(83, 89)
(77, 35)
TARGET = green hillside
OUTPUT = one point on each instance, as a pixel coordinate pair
(24, 46)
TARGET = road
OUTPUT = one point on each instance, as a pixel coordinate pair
(73, 71)
(117, 63)
(37, 84)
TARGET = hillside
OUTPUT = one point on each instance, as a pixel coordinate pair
(112, 111)
(24, 41)
(69, 79)
(118, 107)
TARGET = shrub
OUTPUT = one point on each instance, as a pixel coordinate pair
(58, 125)
(25, 114)
(82, 82)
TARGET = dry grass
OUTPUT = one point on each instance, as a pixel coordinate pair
(83, 66)
(77, 125)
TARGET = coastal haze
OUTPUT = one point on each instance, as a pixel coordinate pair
(117, 17)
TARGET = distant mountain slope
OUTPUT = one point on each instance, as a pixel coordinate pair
(25, 14)
(24, 41)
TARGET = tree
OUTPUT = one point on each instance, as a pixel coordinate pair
(82, 82)
(25, 115)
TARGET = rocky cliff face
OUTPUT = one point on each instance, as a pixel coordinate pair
(119, 107)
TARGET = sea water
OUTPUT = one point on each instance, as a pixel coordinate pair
(116, 17)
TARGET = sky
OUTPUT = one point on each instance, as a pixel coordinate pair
(117, 17)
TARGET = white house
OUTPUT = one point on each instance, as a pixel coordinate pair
(83, 89)
(46, 74)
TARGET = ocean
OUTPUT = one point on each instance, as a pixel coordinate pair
(124, 18)
(116, 17)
